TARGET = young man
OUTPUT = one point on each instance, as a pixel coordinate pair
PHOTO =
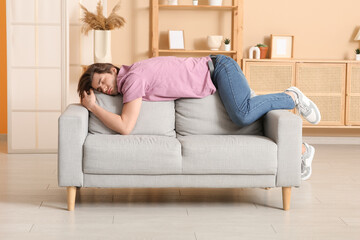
(170, 78)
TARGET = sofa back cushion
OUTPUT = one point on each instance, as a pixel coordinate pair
(155, 118)
(207, 116)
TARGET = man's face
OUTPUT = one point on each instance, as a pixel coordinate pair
(105, 82)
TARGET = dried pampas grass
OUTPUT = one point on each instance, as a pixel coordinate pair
(98, 21)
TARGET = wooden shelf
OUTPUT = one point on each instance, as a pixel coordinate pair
(195, 51)
(198, 7)
(236, 11)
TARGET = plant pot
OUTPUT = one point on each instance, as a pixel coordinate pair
(357, 57)
(102, 46)
(195, 2)
(215, 2)
(227, 47)
(263, 52)
(172, 2)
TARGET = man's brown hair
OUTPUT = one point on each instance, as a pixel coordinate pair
(86, 78)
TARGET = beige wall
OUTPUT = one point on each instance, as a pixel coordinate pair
(323, 29)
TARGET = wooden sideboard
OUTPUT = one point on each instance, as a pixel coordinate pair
(334, 85)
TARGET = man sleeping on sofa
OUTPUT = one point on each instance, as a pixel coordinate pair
(170, 78)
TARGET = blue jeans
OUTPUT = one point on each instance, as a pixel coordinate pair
(234, 92)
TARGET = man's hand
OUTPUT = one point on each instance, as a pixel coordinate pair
(89, 100)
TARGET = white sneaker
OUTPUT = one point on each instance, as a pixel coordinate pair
(305, 106)
(306, 161)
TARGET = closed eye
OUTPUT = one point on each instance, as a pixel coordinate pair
(98, 89)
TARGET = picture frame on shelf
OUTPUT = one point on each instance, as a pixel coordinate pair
(282, 46)
(176, 39)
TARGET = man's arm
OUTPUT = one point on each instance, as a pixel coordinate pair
(123, 123)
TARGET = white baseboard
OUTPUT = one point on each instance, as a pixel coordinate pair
(332, 140)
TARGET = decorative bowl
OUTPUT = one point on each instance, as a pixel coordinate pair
(214, 41)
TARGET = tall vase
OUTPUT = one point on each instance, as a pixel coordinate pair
(102, 46)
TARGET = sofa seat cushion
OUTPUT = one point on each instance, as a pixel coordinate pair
(208, 116)
(228, 154)
(131, 154)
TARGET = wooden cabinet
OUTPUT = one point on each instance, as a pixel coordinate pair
(353, 95)
(333, 85)
(324, 84)
(269, 77)
(236, 28)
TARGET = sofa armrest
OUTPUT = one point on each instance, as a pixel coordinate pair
(73, 129)
(285, 129)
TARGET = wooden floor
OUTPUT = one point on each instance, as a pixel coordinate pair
(327, 206)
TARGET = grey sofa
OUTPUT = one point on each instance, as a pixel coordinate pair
(181, 143)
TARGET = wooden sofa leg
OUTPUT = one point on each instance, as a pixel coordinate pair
(71, 196)
(286, 195)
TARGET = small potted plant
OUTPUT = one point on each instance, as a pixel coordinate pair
(357, 51)
(263, 50)
(227, 44)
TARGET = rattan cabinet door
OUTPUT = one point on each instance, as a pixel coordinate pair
(270, 77)
(324, 83)
(353, 95)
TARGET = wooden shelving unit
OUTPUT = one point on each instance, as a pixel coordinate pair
(236, 28)
(192, 7)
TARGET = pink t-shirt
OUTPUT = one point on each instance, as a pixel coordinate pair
(165, 78)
